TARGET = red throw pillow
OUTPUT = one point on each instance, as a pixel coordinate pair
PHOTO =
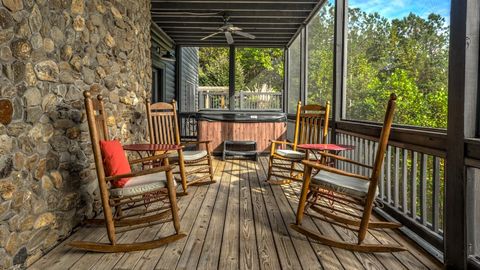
(114, 161)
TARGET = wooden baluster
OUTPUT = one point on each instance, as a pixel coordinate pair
(396, 185)
(413, 186)
(436, 195)
(423, 189)
(405, 181)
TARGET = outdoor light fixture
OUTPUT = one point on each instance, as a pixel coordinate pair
(168, 57)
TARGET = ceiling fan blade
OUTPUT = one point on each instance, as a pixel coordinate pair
(211, 35)
(209, 28)
(247, 35)
(234, 28)
(229, 38)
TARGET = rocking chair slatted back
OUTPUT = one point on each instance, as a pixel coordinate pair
(162, 122)
(311, 124)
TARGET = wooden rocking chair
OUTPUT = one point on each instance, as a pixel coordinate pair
(353, 197)
(148, 199)
(163, 129)
(311, 127)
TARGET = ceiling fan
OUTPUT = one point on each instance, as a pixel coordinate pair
(228, 29)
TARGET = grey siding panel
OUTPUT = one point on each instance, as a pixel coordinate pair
(189, 80)
(170, 81)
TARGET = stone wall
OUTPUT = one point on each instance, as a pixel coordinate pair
(50, 52)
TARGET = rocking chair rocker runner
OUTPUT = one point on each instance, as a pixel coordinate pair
(163, 129)
(311, 127)
(353, 196)
(148, 198)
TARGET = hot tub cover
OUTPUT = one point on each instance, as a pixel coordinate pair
(242, 117)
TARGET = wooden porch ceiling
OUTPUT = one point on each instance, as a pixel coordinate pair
(273, 23)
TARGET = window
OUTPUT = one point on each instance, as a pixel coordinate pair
(401, 47)
(294, 76)
(213, 79)
(320, 40)
(258, 78)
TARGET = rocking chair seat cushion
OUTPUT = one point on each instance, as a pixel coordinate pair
(190, 155)
(290, 153)
(141, 184)
(349, 185)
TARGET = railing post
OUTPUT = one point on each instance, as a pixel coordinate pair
(241, 100)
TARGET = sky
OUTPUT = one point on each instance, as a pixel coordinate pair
(393, 9)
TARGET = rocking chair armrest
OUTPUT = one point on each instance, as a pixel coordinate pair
(323, 167)
(147, 159)
(139, 173)
(337, 157)
(274, 142)
(195, 142)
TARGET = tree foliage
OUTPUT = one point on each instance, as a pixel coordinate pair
(408, 56)
(255, 68)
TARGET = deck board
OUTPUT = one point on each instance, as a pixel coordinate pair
(239, 222)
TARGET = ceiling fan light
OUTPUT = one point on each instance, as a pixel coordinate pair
(168, 57)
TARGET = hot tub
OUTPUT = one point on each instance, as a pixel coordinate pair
(261, 127)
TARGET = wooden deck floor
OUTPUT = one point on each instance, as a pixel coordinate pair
(240, 222)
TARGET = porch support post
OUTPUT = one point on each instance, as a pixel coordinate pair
(339, 67)
(286, 78)
(462, 96)
(303, 65)
(231, 79)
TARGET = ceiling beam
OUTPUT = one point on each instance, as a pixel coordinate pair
(244, 26)
(231, 5)
(235, 21)
(203, 35)
(237, 44)
(239, 1)
(234, 14)
(195, 30)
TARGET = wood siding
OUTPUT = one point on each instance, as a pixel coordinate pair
(189, 79)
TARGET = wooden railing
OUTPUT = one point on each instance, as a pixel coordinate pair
(258, 101)
(412, 183)
(243, 100)
(213, 100)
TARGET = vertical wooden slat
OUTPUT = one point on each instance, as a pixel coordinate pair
(310, 129)
(351, 153)
(413, 185)
(382, 180)
(171, 129)
(404, 181)
(361, 155)
(389, 174)
(303, 131)
(423, 189)
(436, 195)
(160, 132)
(162, 128)
(396, 184)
